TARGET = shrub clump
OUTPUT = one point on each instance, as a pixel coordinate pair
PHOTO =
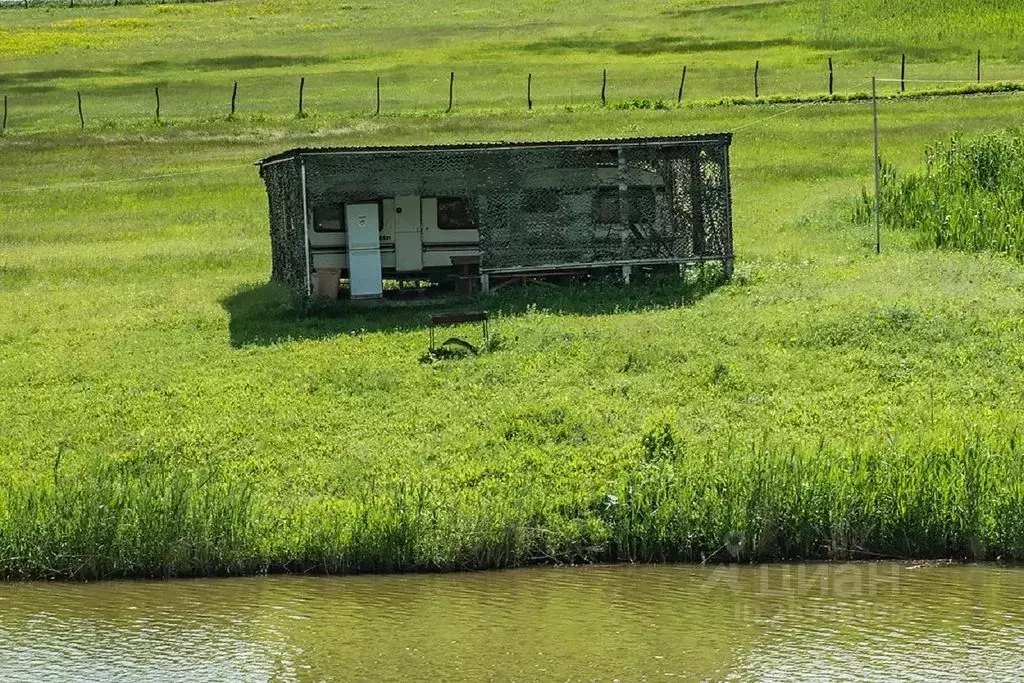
(970, 195)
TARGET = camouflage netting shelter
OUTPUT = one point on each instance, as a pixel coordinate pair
(536, 207)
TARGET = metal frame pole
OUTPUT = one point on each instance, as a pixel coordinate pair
(878, 180)
(305, 225)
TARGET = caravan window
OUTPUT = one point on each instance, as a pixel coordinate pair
(641, 199)
(328, 218)
(455, 213)
(641, 204)
(541, 200)
(606, 205)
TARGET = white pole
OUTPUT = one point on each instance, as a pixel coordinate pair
(878, 182)
(305, 225)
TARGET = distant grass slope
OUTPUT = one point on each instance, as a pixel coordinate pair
(116, 56)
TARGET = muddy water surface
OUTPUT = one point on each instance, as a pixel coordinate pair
(794, 622)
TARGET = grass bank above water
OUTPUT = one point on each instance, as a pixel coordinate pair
(698, 443)
(164, 411)
(658, 502)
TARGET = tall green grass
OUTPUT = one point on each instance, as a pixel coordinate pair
(111, 518)
(969, 195)
(951, 496)
(947, 497)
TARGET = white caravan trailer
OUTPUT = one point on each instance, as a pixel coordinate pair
(414, 237)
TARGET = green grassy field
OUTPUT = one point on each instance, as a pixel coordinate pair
(163, 410)
(115, 56)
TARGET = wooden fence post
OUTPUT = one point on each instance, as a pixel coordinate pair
(451, 92)
(378, 97)
(81, 117)
(234, 94)
(529, 92)
(903, 73)
(302, 87)
(3, 129)
(831, 76)
(156, 90)
(979, 66)
(682, 83)
(757, 69)
(604, 84)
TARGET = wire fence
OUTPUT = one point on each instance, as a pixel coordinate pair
(111, 98)
(248, 164)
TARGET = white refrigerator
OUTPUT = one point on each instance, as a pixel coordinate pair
(362, 225)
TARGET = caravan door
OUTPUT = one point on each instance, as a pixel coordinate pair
(408, 235)
(362, 225)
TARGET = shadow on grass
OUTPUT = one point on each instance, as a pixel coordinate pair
(652, 45)
(33, 81)
(675, 44)
(731, 10)
(270, 313)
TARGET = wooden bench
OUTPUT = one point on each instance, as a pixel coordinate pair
(457, 319)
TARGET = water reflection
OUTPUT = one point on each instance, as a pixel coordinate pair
(790, 622)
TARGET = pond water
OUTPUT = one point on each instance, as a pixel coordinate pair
(780, 622)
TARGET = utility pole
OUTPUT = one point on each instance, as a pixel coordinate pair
(878, 169)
